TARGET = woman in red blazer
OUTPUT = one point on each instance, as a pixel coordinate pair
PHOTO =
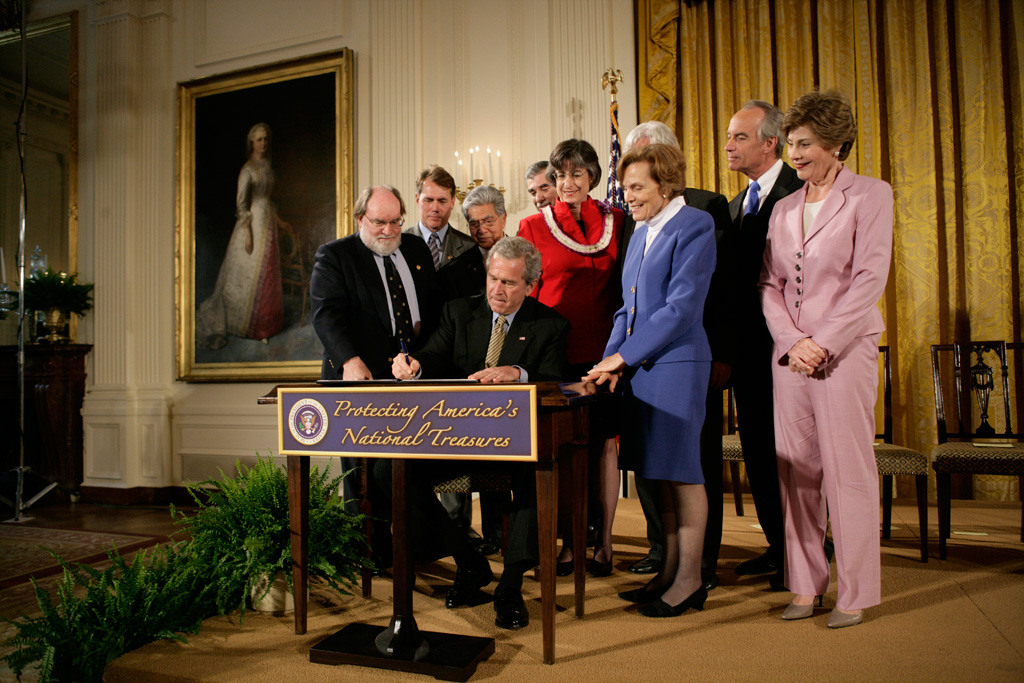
(578, 239)
(826, 265)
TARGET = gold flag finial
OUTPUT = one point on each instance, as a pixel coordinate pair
(611, 77)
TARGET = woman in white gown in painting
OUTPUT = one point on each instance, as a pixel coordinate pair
(247, 299)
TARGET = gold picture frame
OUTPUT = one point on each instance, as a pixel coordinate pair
(265, 175)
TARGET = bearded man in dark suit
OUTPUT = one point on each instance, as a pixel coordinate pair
(370, 292)
(502, 336)
(754, 149)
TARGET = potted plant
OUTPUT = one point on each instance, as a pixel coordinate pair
(56, 295)
(240, 532)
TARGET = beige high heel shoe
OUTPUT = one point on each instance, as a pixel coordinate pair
(838, 619)
(794, 611)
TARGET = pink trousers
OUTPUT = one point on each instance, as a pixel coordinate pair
(824, 431)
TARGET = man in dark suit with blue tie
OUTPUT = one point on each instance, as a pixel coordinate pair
(370, 292)
(502, 336)
(754, 149)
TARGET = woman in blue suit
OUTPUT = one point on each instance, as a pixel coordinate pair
(658, 345)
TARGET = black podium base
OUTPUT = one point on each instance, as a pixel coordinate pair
(450, 657)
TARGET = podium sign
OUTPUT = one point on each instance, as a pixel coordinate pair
(412, 421)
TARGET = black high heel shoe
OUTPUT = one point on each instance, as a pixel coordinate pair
(600, 569)
(641, 596)
(659, 608)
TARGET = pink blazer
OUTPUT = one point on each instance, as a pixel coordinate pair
(827, 285)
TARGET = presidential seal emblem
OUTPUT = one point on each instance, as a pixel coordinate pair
(307, 422)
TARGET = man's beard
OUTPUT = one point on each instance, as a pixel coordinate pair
(385, 247)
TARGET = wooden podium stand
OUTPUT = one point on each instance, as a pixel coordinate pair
(562, 433)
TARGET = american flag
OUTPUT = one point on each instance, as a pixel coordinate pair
(614, 194)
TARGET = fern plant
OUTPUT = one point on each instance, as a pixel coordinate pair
(159, 594)
(241, 533)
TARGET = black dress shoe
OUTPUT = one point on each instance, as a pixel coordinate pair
(765, 564)
(486, 548)
(468, 582)
(565, 568)
(659, 608)
(509, 609)
(777, 582)
(647, 565)
(600, 569)
(641, 596)
(709, 579)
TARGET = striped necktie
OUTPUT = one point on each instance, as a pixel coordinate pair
(435, 250)
(497, 340)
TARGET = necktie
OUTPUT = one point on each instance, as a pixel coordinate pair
(752, 200)
(497, 339)
(435, 249)
(399, 303)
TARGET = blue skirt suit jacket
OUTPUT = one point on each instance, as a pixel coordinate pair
(660, 335)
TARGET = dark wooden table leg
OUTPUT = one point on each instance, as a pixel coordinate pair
(298, 513)
(580, 456)
(580, 466)
(547, 502)
(402, 637)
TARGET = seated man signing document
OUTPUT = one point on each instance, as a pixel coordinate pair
(503, 336)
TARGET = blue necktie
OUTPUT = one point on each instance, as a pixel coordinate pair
(752, 200)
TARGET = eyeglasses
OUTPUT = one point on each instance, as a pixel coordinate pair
(486, 222)
(378, 223)
(577, 175)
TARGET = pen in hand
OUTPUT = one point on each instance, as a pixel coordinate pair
(405, 351)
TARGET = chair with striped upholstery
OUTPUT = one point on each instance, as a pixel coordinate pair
(732, 453)
(985, 449)
(895, 460)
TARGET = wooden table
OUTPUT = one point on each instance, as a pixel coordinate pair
(563, 433)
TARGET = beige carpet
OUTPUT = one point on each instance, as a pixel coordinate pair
(958, 620)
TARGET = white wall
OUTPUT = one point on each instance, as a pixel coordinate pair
(432, 76)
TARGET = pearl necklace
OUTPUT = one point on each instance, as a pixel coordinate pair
(571, 244)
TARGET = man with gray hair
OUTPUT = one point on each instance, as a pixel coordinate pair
(502, 336)
(371, 292)
(650, 133)
(754, 149)
(540, 186)
(484, 210)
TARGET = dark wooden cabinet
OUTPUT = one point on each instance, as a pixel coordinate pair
(54, 390)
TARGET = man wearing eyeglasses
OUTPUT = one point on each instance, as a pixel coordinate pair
(484, 210)
(435, 197)
(371, 292)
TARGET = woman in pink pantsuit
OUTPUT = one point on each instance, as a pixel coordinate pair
(826, 265)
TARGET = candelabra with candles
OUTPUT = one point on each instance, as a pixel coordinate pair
(470, 181)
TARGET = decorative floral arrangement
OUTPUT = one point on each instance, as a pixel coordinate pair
(51, 289)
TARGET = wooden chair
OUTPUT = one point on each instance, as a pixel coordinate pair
(294, 274)
(899, 460)
(732, 452)
(988, 448)
(481, 482)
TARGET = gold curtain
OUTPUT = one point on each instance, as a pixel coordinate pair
(936, 87)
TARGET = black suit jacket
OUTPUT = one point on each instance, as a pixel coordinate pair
(350, 307)
(462, 277)
(719, 307)
(535, 341)
(748, 238)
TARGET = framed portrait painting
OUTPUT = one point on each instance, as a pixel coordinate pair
(265, 173)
